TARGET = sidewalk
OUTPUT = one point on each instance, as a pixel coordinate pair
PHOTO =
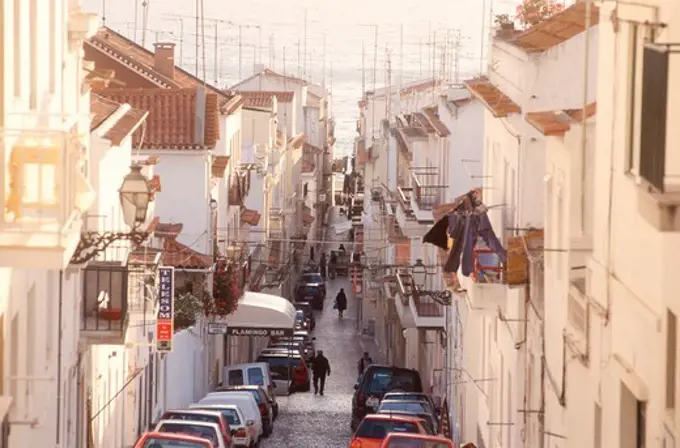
(368, 345)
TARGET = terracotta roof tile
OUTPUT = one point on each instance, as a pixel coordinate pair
(420, 120)
(250, 217)
(263, 99)
(169, 229)
(498, 103)
(141, 60)
(556, 29)
(219, 165)
(414, 132)
(172, 116)
(432, 115)
(296, 141)
(556, 123)
(180, 255)
(102, 108)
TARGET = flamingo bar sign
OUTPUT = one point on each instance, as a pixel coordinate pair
(166, 309)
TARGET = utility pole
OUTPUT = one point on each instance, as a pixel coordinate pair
(304, 52)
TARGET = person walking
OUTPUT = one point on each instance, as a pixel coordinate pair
(322, 265)
(364, 362)
(321, 368)
(341, 302)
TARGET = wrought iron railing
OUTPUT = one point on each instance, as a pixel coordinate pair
(105, 297)
(427, 196)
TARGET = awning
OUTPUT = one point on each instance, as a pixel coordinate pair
(261, 314)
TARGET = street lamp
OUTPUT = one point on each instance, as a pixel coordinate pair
(419, 273)
(135, 196)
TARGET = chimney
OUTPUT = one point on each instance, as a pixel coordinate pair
(164, 59)
(199, 123)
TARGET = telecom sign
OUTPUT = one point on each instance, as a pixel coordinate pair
(256, 331)
(166, 309)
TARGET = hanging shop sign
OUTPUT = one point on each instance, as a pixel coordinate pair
(217, 328)
(255, 331)
(166, 309)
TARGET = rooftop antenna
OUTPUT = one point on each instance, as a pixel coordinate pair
(388, 83)
(363, 70)
(198, 34)
(240, 53)
(401, 58)
(304, 52)
(104, 13)
(375, 67)
(203, 41)
(456, 60)
(299, 61)
(434, 64)
(323, 64)
(215, 56)
(145, 20)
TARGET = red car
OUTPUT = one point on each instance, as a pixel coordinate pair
(150, 439)
(401, 440)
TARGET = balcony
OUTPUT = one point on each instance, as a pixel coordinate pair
(45, 194)
(658, 201)
(275, 223)
(406, 218)
(104, 306)
(425, 195)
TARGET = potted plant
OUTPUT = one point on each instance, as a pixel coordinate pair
(226, 291)
(187, 307)
(504, 22)
(533, 12)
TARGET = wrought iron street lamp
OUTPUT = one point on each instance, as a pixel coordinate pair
(419, 273)
(135, 196)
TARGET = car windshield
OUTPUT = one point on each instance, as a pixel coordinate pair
(204, 432)
(406, 442)
(386, 379)
(192, 416)
(378, 428)
(299, 315)
(312, 278)
(255, 376)
(426, 419)
(231, 415)
(159, 442)
(407, 406)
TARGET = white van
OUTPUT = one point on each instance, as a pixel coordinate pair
(244, 400)
(252, 374)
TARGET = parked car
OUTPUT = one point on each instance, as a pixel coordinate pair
(375, 427)
(253, 374)
(290, 345)
(201, 415)
(413, 396)
(301, 321)
(376, 381)
(167, 439)
(245, 402)
(262, 400)
(306, 307)
(204, 430)
(311, 288)
(243, 428)
(402, 440)
(302, 337)
(412, 406)
(290, 369)
(428, 422)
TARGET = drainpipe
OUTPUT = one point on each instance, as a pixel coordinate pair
(59, 356)
(584, 117)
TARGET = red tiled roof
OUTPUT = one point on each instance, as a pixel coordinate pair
(557, 123)
(419, 119)
(219, 165)
(296, 141)
(432, 115)
(141, 60)
(263, 99)
(556, 29)
(250, 217)
(498, 103)
(168, 229)
(172, 116)
(180, 255)
(102, 108)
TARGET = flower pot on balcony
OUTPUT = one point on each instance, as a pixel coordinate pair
(110, 314)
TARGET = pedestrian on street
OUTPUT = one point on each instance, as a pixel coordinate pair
(320, 369)
(341, 302)
(364, 362)
(322, 264)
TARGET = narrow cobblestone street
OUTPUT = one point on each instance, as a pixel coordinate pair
(308, 420)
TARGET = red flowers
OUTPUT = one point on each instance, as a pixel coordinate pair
(533, 12)
(226, 291)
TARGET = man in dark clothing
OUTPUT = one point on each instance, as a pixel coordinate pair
(320, 369)
(341, 302)
(364, 362)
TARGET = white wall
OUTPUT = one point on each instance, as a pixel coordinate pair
(185, 197)
(185, 370)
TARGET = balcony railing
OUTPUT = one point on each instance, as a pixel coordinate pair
(426, 195)
(44, 191)
(404, 198)
(653, 116)
(105, 301)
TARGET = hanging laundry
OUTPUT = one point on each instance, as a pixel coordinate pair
(465, 224)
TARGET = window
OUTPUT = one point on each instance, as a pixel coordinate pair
(255, 376)
(33, 57)
(671, 358)
(235, 377)
(639, 34)
(18, 47)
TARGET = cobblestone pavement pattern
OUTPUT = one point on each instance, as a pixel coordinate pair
(310, 421)
(307, 420)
